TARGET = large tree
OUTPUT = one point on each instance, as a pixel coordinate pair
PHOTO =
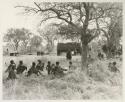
(17, 35)
(77, 14)
(68, 32)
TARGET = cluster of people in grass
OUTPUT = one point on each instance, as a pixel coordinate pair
(54, 69)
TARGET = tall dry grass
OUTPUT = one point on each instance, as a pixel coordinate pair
(102, 84)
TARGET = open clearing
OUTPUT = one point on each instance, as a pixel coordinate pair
(103, 84)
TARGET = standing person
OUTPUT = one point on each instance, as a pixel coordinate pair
(69, 55)
(48, 67)
(11, 70)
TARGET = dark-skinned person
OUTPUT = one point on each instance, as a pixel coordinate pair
(39, 65)
(21, 68)
(68, 55)
(114, 68)
(11, 71)
(49, 67)
(59, 70)
(33, 70)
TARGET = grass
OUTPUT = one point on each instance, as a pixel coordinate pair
(102, 85)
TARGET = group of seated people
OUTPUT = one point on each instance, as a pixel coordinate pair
(54, 69)
(112, 67)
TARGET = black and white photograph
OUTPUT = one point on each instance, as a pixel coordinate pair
(70, 50)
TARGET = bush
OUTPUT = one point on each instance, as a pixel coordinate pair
(98, 71)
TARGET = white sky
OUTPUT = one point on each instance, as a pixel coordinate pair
(10, 17)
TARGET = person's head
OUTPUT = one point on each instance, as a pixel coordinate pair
(39, 61)
(21, 62)
(57, 63)
(33, 63)
(49, 62)
(12, 62)
(70, 63)
(114, 63)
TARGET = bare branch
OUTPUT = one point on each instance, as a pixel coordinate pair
(29, 9)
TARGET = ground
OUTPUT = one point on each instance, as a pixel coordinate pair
(76, 85)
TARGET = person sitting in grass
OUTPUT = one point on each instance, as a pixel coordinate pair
(53, 69)
(39, 66)
(114, 68)
(109, 66)
(33, 70)
(11, 70)
(71, 66)
(21, 68)
(43, 66)
(58, 69)
(49, 67)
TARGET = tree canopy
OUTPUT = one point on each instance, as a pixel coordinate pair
(17, 35)
(79, 15)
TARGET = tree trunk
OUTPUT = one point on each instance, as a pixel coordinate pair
(16, 46)
(84, 57)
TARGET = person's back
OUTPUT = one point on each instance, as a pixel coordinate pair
(32, 69)
(21, 68)
(39, 65)
(114, 68)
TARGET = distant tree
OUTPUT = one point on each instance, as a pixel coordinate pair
(36, 41)
(49, 34)
(17, 35)
(112, 31)
(26, 38)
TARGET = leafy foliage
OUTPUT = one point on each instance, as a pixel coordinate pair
(36, 41)
(18, 35)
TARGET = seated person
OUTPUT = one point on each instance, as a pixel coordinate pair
(39, 66)
(48, 67)
(100, 55)
(71, 67)
(58, 69)
(114, 68)
(43, 66)
(109, 66)
(33, 70)
(53, 68)
(21, 68)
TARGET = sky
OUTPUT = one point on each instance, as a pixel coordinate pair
(11, 17)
